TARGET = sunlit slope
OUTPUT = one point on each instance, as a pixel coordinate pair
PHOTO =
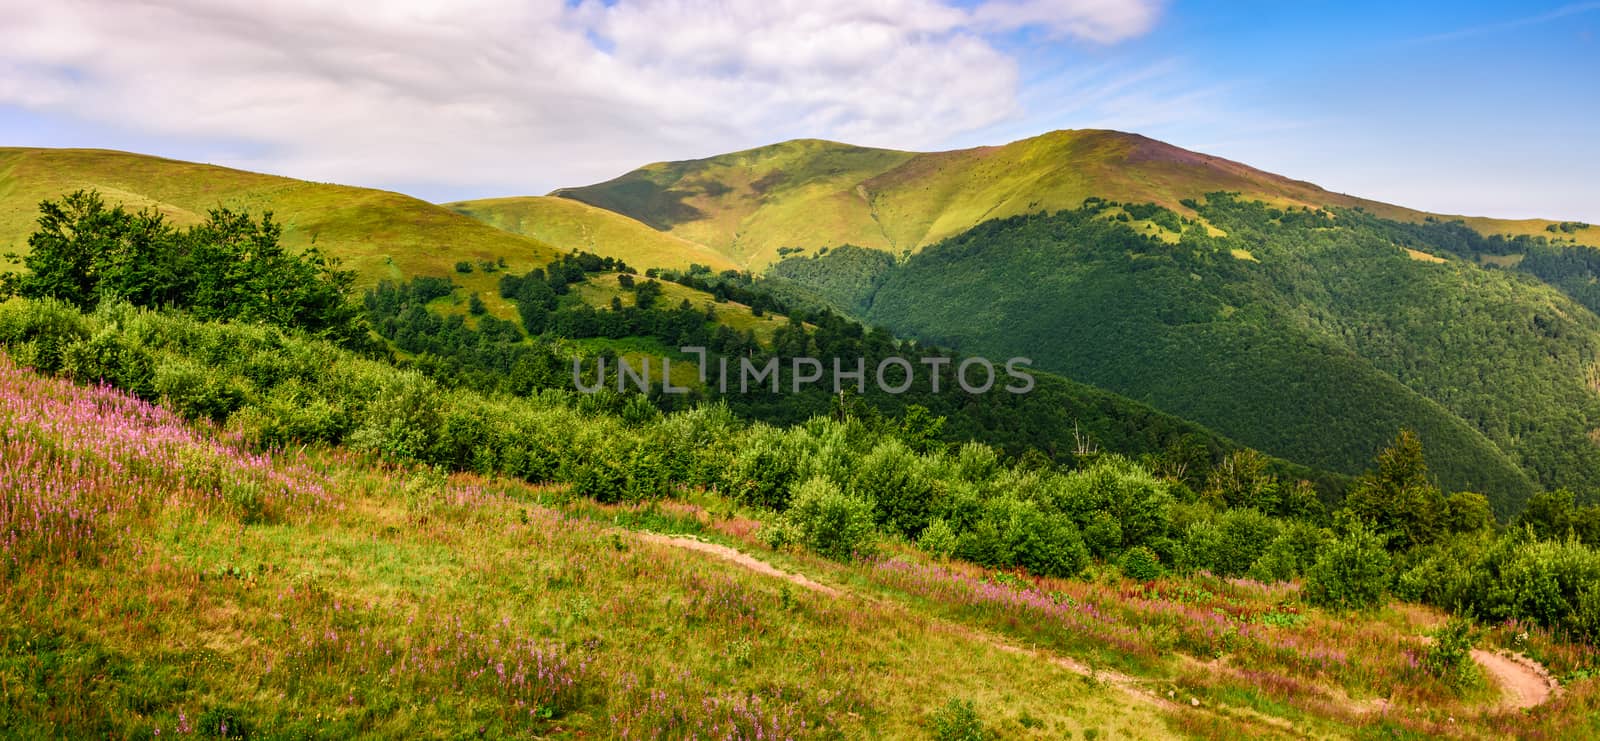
(813, 194)
(574, 225)
(377, 233)
(750, 204)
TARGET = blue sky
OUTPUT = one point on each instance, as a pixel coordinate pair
(1467, 107)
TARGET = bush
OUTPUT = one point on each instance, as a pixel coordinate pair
(957, 721)
(196, 392)
(829, 521)
(938, 539)
(1142, 564)
(891, 475)
(1352, 572)
(1013, 533)
(1244, 536)
(1450, 656)
(464, 266)
(1115, 487)
(764, 470)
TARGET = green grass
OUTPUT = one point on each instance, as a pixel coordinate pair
(573, 225)
(381, 235)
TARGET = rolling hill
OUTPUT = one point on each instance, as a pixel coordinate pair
(574, 225)
(811, 194)
(379, 234)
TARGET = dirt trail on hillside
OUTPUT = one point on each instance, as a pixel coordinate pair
(1523, 682)
(728, 554)
(1123, 682)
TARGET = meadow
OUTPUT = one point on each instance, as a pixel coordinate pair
(167, 578)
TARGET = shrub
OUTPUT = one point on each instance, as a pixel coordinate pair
(938, 538)
(1115, 487)
(1017, 533)
(1141, 563)
(957, 721)
(196, 392)
(830, 521)
(891, 475)
(1450, 656)
(764, 469)
(403, 422)
(1244, 535)
(464, 266)
(1351, 572)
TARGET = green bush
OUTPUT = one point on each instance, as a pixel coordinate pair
(1450, 656)
(1018, 533)
(196, 392)
(957, 721)
(938, 539)
(1141, 563)
(1244, 535)
(764, 470)
(830, 521)
(1351, 573)
(1137, 502)
(892, 476)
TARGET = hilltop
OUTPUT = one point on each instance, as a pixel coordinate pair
(810, 193)
(379, 234)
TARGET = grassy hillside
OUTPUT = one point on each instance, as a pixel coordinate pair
(573, 225)
(379, 234)
(809, 194)
(608, 576)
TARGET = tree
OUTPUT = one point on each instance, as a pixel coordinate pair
(1468, 512)
(1352, 572)
(1242, 480)
(1551, 515)
(1397, 498)
(475, 305)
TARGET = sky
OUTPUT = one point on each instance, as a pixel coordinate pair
(1479, 108)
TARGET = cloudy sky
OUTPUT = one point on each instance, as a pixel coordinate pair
(1461, 107)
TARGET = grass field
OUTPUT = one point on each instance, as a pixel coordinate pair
(574, 225)
(164, 579)
(381, 235)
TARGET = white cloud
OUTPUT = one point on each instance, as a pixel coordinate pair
(526, 95)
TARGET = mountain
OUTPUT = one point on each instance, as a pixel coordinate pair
(1306, 323)
(811, 194)
(381, 235)
(574, 225)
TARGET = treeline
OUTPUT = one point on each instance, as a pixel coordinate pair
(228, 267)
(1059, 419)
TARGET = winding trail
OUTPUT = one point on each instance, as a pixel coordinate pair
(1131, 686)
(1523, 682)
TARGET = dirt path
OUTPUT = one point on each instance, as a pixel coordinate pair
(1522, 681)
(728, 554)
(1123, 682)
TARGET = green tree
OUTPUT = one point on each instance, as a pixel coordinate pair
(1397, 498)
(1352, 572)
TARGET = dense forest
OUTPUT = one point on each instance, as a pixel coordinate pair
(1311, 335)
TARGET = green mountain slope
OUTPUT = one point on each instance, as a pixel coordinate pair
(1314, 348)
(812, 194)
(377, 233)
(574, 225)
